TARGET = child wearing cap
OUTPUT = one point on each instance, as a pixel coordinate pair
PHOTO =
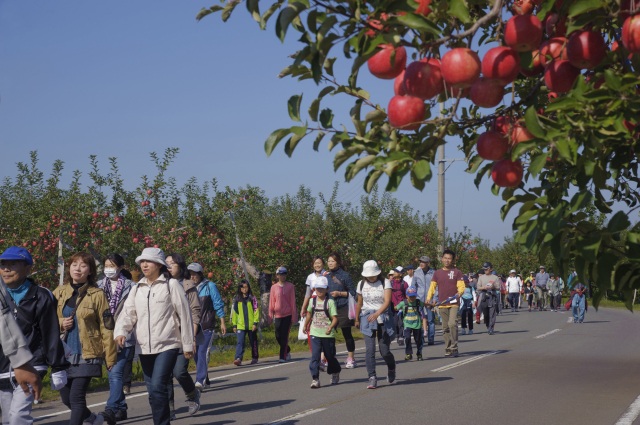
(398, 294)
(321, 322)
(411, 309)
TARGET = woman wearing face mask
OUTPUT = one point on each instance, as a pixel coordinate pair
(116, 286)
(87, 323)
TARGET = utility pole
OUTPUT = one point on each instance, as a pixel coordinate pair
(441, 198)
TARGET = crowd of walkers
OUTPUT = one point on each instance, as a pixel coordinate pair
(168, 317)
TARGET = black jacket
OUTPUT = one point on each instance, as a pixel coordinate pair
(36, 315)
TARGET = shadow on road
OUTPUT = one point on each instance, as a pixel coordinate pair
(248, 407)
(425, 380)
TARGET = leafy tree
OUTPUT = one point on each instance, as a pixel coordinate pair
(571, 140)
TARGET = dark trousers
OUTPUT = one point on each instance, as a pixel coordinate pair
(417, 337)
(384, 340)
(74, 396)
(328, 346)
(157, 370)
(348, 339)
(466, 315)
(514, 297)
(282, 327)
(128, 369)
(253, 342)
(181, 373)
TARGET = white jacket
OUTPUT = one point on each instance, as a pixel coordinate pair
(160, 315)
(514, 284)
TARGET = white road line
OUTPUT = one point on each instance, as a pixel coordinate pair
(631, 414)
(297, 416)
(547, 334)
(466, 361)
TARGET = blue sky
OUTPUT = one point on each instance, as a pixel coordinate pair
(125, 78)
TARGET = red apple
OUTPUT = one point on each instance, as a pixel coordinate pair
(554, 48)
(398, 85)
(522, 7)
(555, 26)
(631, 34)
(560, 75)
(519, 134)
(507, 173)
(375, 25)
(406, 112)
(502, 124)
(423, 7)
(149, 192)
(210, 275)
(486, 92)
(95, 215)
(586, 49)
(388, 62)
(523, 33)
(460, 67)
(501, 63)
(492, 145)
(423, 79)
(114, 227)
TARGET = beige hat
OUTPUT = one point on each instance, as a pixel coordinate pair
(155, 255)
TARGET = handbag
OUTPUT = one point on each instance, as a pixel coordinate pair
(352, 307)
(301, 335)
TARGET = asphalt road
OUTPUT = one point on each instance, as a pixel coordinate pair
(538, 368)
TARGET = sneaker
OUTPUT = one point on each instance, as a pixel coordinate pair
(419, 357)
(315, 383)
(121, 415)
(447, 354)
(206, 386)
(335, 378)
(391, 376)
(431, 343)
(408, 357)
(237, 362)
(254, 361)
(199, 386)
(350, 363)
(470, 331)
(109, 416)
(281, 361)
(288, 357)
(455, 353)
(94, 419)
(490, 332)
(323, 365)
(373, 383)
(463, 332)
(194, 403)
(126, 389)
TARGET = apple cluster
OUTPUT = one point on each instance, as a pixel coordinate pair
(527, 52)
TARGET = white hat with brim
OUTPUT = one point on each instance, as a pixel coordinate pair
(155, 255)
(370, 269)
(512, 271)
(320, 282)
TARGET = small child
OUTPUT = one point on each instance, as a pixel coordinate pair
(245, 316)
(322, 319)
(578, 302)
(528, 294)
(412, 321)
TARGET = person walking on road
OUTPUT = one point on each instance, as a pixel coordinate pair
(579, 302)
(488, 285)
(529, 293)
(320, 323)
(318, 270)
(514, 288)
(467, 299)
(542, 292)
(398, 295)
(423, 276)
(375, 317)
(87, 325)
(554, 290)
(211, 305)
(245, 317)
(158, 311)
(340, 287)
(449, 282)
(34, 309)
(411, 309)
(116, 286)
(282, 309)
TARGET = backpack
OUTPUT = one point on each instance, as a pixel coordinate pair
(417, 307)
(325, 306)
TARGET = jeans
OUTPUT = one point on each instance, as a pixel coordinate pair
(282, 327)
(202, 365)
(157, 371)
(384, 340)
(181, 373)
(74, 396)
(490, 314)
(116, 399)
(431, 324)
(253, 342)
(328, 346)
(16, 407)
(578, 308)
(466, 313)
(417, 336)
(514, 298)
(450, 328)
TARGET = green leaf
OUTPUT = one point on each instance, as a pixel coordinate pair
(537, 163)
(274, 138)
(619, 222)
(228, 9)
(422, 169)
(326, 118)
(375, 116)
(354, 168)
(287, 15)
(204, 12)
(266, 15)
(584, 6)
(371, 180)
(460, 10)
(419, 23)
(254, 9)
(298, 134)
(612, 80)
(293, 105)
(316, 142)
(533, 123)
(581, 200)
(313, 109)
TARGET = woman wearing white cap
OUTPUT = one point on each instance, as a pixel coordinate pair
(376, 321)
(158, 310)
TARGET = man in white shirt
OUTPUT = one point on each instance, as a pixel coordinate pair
(514, 288)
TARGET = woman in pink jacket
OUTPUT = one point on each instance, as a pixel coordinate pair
(282, 309)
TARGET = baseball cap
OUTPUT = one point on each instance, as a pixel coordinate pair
(409, 267)
(195, 267)
(281, 270)
(17, 253)
(425, 259)
(487, 265)
(512, 271)
(320, 282)
(399, 269)
(411, 291)
(542, 267)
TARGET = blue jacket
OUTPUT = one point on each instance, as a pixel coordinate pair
(339, 280)
(208, 288)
